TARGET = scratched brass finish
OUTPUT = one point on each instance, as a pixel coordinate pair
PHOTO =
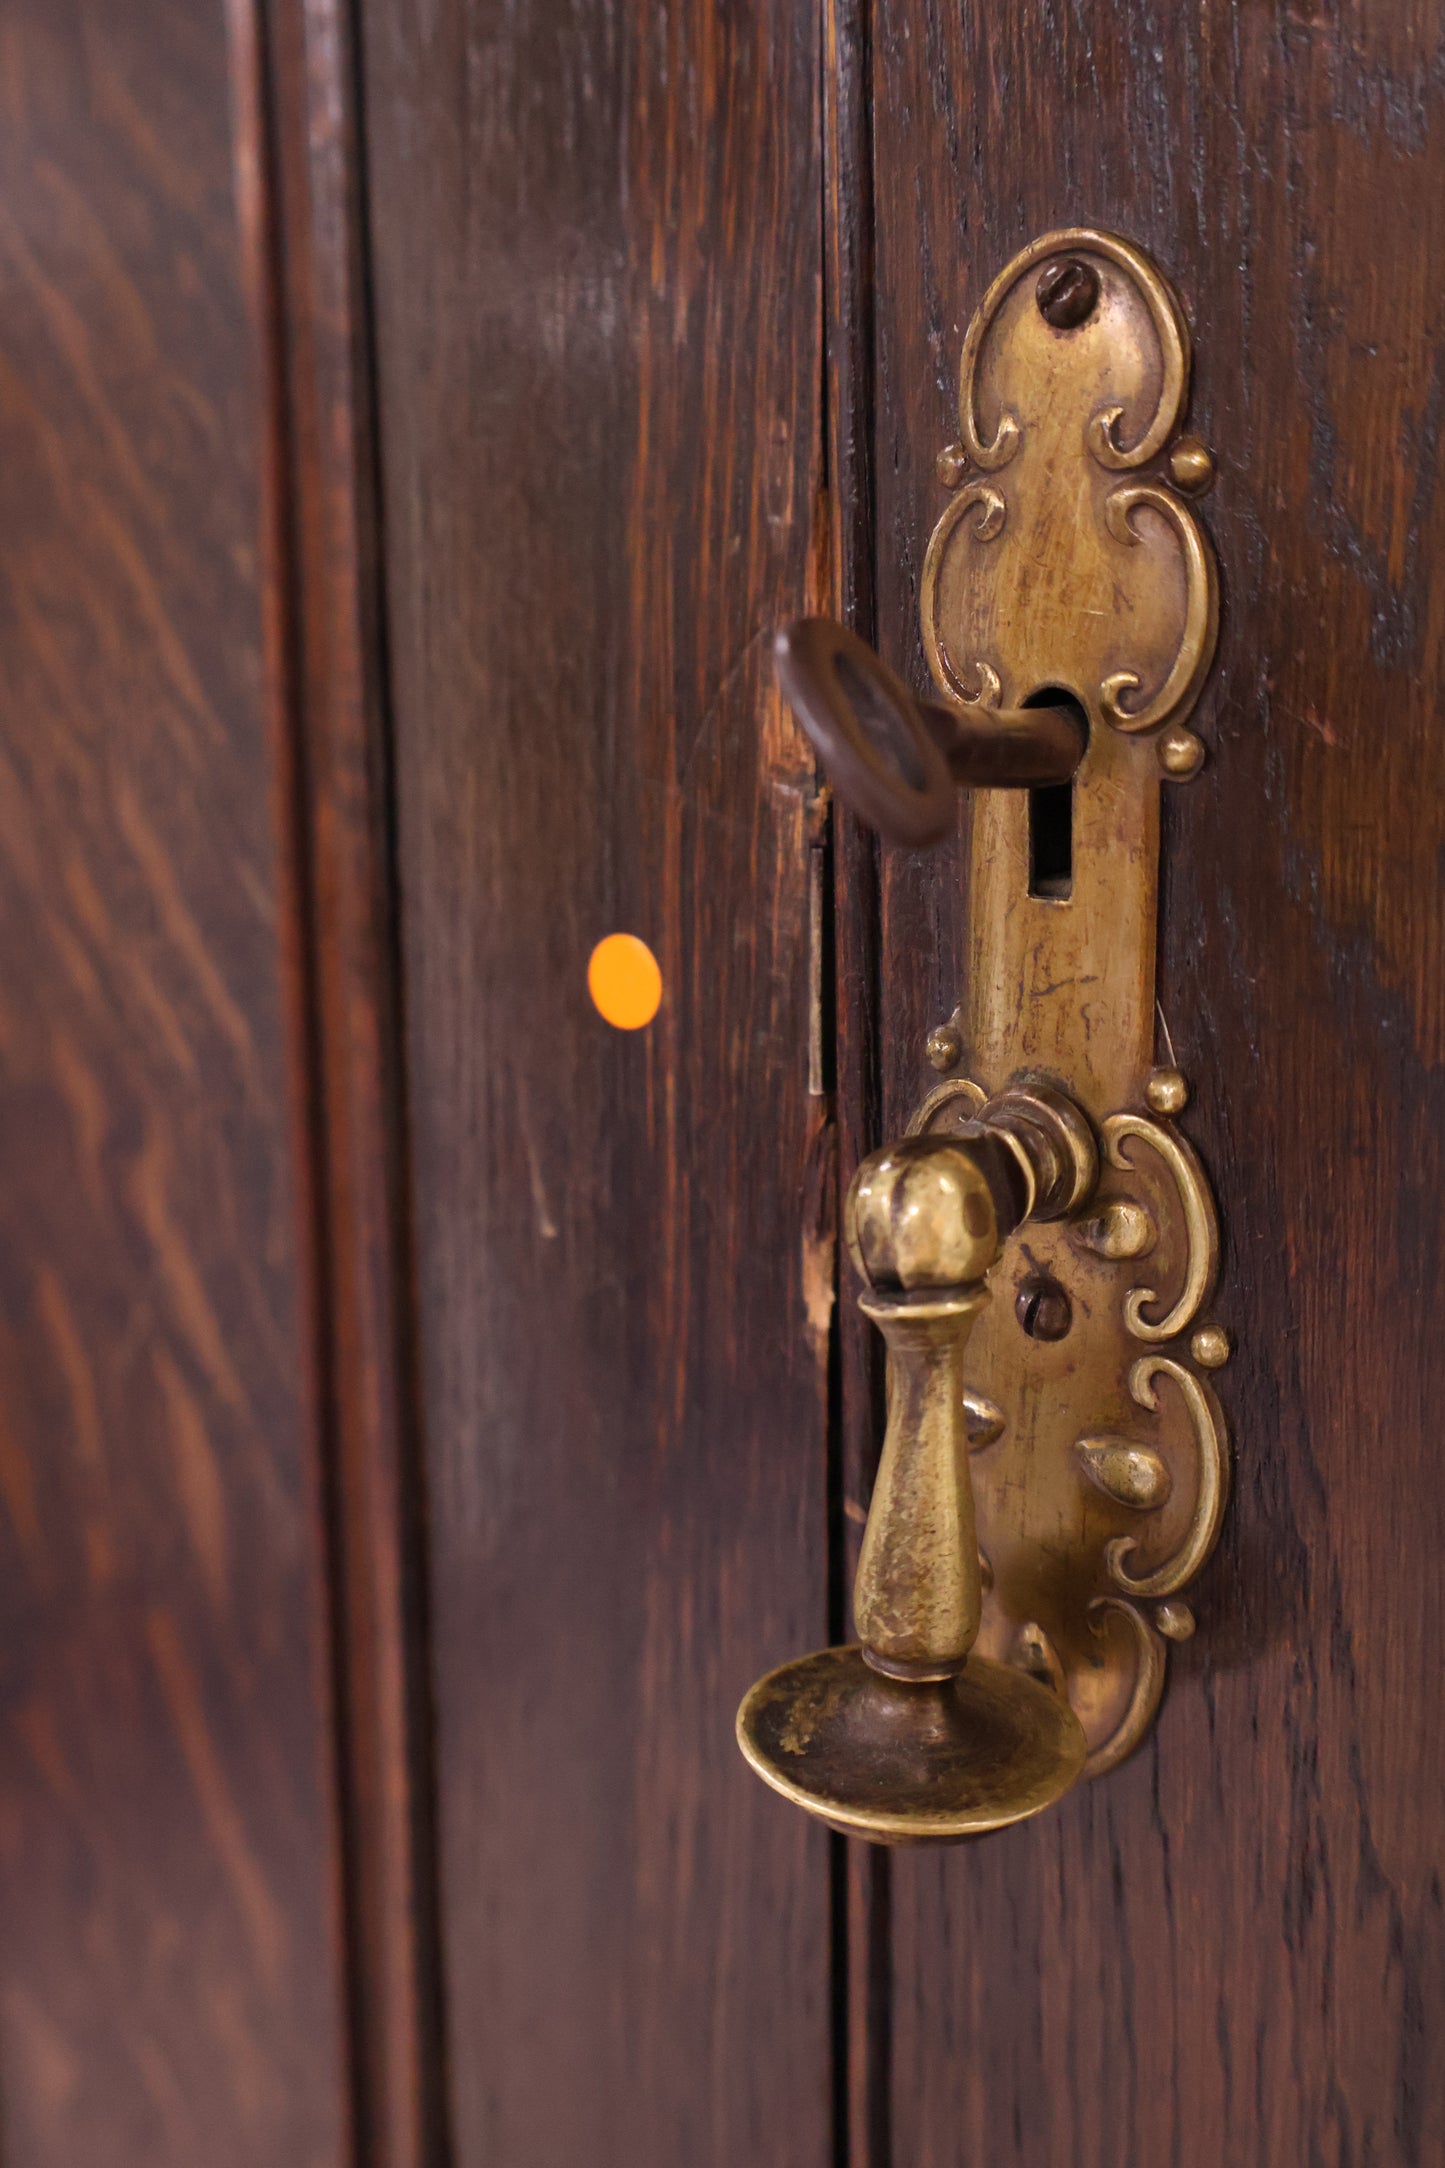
(1050, 570)
(916, 1598)
(1047, 569)
(1055, 1468)
(1080, 566)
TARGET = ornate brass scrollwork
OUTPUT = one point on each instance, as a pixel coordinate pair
(1200, 1224)
(1055, 1468)
(1146, 1685)
(1105, 399)
(1110, 1490)
(1170, 329)
(1201, 613)
(1212, 1458)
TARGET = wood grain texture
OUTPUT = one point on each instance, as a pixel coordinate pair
(364, 1236)
(170, 1974)
(1234, 1948)
(598, 263)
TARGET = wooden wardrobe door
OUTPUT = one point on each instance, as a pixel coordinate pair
(1232, 1949)
(171, 1978)
(598, 294)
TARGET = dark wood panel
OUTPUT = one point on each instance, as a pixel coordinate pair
(598, 285)
(170, 1981)
(1232, 1950)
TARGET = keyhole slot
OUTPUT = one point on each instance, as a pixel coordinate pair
(1051, 813)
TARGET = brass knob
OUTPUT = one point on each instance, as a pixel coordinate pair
(909, 1737)
(898, 761)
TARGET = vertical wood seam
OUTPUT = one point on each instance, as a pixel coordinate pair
(861, 1887)
(339, 833)
(258, 234)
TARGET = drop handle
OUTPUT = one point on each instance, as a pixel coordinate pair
(898, 761)
(911, 1737)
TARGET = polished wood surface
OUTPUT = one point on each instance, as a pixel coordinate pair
(171, 1975)
(1233, 1949)
(598, 289)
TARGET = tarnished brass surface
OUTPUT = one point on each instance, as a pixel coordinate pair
(1201, 1228)
(1053, 571)
(922, 1214)
(1056, 1466)
(910, 1764)
(1094, 577)
(1051, 1141)
(1104, 1480)
(1074, 580)
(1211, 1494)
(910, 1737)
(916, 1597)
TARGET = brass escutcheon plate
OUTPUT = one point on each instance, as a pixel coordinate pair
(1070, 559)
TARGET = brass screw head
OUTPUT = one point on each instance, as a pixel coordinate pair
(1176, 1620)
(1167, 1091)
(944, 1046)
(1191, 464)
(1067, 292)
(951, 465)
(1210, 1347)
(1181, 754)
(1043, 1309)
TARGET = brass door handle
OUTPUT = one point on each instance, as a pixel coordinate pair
(897, 761)
(1039, 1249)
(910, 1737)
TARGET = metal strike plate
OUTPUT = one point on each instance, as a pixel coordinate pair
(1070, 561)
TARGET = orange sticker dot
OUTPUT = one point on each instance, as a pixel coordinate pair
(624, 981)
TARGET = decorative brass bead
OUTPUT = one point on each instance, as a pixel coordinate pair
(951, 465)
(1175, 1621)
(1191, 466)
(945, 1045)
(1134, 1475)
(1167, 1091)
(1181, 754)
(1122, 1229)
(1210, 1347)
(982, 1421)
